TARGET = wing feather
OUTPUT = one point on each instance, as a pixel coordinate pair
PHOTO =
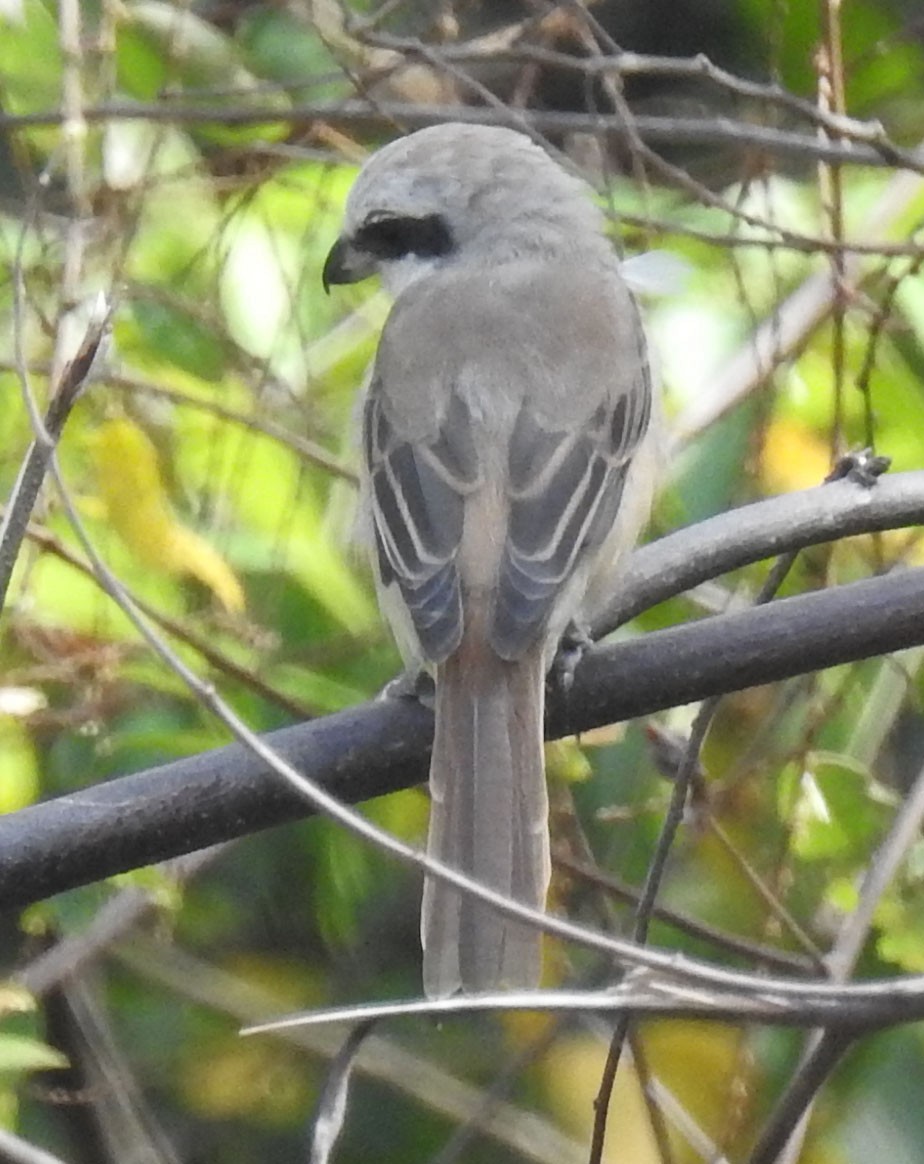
(564, 474)
(418, 498)
(565, 490)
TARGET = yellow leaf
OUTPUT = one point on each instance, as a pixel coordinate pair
(699, 1063)
(193, 555)
(15, 999)
(239, 1080)
(793, 457)
(132, 489)
(570, 1073)
(20, 784)
(566, 763)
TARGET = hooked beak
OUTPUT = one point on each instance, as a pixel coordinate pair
(345, 264)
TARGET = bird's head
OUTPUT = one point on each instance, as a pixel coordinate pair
(457, 193)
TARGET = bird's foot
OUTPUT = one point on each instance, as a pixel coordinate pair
(574, 644)
(862, 466)
(416, 685)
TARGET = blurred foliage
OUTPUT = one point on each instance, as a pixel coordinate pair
(212, 465)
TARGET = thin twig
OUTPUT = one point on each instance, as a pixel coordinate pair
(71, 955)
(830, 64)
(298, 708)
(15, 1150)
(624, 63)
(680, 794)
(682, 991)
(731, 943)
(34, 468)
(380, 747)
(307, 449)
(652, 129)
(775, 907)
(423, 1080)
(781, 1138)
(790, 325)
(330, 1110)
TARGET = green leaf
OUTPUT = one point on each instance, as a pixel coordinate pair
(901, 937)
(24, 87)
(284, 48)
(165, 46)
(20, 783)
(20, 1053)
(836, 810)
(178, 338)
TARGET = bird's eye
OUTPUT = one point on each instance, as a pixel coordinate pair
(388, 236)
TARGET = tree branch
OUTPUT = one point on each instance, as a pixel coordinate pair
(47, 433)
(853, 1009)
(382, 747)
(654, 130)
(764, 529)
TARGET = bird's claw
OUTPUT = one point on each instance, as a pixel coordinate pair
(574, 644)
(416, 685)
(863, 466)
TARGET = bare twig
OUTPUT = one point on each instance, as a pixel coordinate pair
(72, 954)
(330, 1111)
(213, 655)
(652, 129)
(307, 449)
(115, 1116)
(683, 989)
(782, 1137)
(721, 939)
(830, 64)
(791, 323)
(421, 1079)
(381, 747)
(644, 910)
(25, 493)
(15, 1150)
(775, 907)
(623, 63)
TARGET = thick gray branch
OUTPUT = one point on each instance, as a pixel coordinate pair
(792, 521)
(381, 747)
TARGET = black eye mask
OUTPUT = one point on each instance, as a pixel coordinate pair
(395, 238)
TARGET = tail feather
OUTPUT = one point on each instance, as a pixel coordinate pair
(489, 819)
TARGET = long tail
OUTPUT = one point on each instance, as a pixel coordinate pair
(489, 819)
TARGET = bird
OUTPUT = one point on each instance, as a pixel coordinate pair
(509, 453)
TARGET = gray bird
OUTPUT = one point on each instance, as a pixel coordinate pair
(508, 465)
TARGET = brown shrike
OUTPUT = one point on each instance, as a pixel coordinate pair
(508, 463)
